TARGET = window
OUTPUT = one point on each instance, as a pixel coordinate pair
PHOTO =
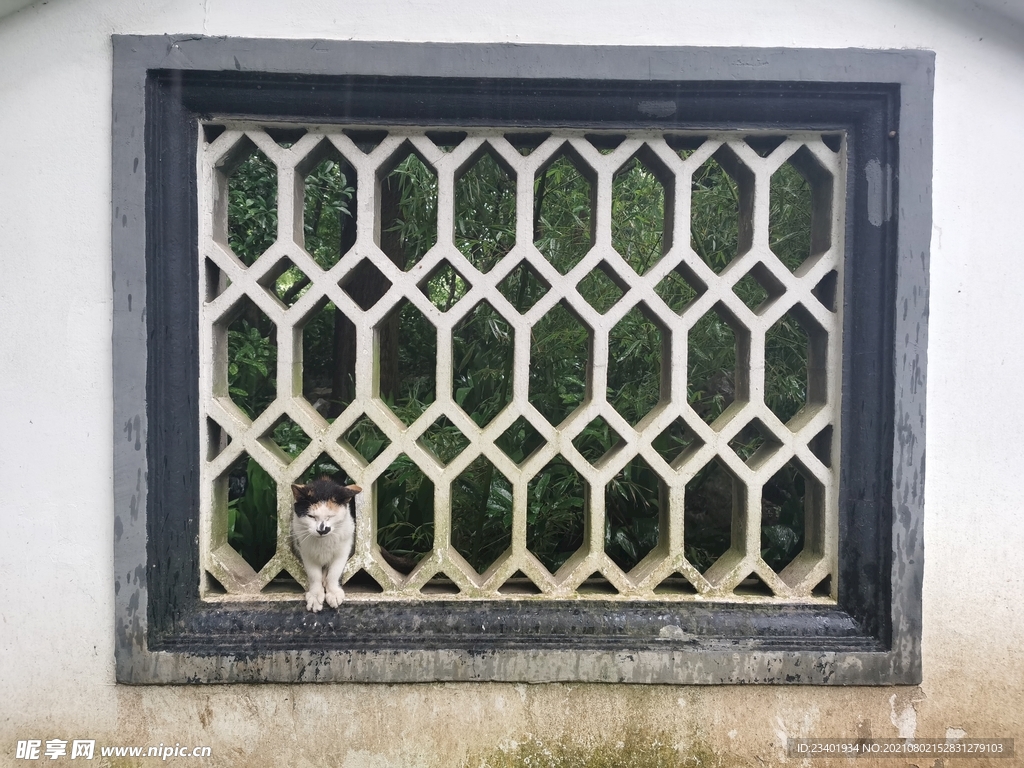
(653, 517)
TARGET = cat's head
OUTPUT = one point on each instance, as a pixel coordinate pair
(322, 503)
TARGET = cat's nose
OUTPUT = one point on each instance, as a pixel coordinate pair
(323, 529)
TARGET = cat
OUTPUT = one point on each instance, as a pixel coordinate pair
(323, 536)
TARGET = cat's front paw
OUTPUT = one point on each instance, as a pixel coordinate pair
(315, 599)
(334, 596)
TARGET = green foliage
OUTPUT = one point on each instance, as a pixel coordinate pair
(482, 352)
(252, 207)
(252, 518)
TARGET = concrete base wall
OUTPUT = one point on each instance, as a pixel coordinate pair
(56, 514)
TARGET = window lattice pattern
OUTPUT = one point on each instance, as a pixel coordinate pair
(724, 438)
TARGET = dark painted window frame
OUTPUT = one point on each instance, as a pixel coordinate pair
(163, 85)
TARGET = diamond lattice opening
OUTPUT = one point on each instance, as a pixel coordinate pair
(366, 438)
(408, 207)
(523, 287)
(445, 286)
(482, 357)
(633, 504)
(556, 513)
(602, 288)
(713, 502)
(721, 218)
(481, 514)
(407, 360)
(288, 436)
(519, 441)
(680, 288)
(365, 285)
(754, 443)
(637, 345)
(559, 361)
(676, 443)
(564, 194)
(525, 143)
(286, 282)
(758, 288)
(596, 440)
(444, 440)
(764, 145)
(446, 140)
(251, 511)
(792, 516)
(717, 363)
(485, 209)
(795, 351)
(217, 280)
(642, 204)
(365, 140)
(821, 446)
(328, 359)
(252, 201)
(328, 209)
(405, 511)
(252, 359)
(324, 465)
(825, 290)
(800, 210)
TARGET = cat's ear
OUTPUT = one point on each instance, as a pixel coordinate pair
(354, 488)
(300, 492)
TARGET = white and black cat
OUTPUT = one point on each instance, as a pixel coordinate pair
(323, 535)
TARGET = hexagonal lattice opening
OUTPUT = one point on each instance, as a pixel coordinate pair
(556, 513)
(596, 440)
(559, 360)
(795, 351)
(481, 514)
(405, 510)
(642, 205)
(520, 440)
(792, 509)
(252, 511)
(602, 288)
(328, 359)
(800, 209)
(285, 282)
(252, 359)
(482, 349)
(444, 286)
(252, 201)
(406, 360)
(677, 442)
(637, 345)
(365, 284)
(288, 436)
(523, 287)
(444, 440)
(564, 194)
(717, 363)
(634, 500)
(754, 443)
(408, 207)
(722, 208)
(485, 209)
(711, 500)
(680, 288)
(366, 438)
(328, 211)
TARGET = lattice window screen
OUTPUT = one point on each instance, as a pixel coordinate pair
(809, 296)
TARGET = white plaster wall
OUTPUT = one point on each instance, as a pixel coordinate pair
(56, 518)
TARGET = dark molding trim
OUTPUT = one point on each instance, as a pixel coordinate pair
(882, 99)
